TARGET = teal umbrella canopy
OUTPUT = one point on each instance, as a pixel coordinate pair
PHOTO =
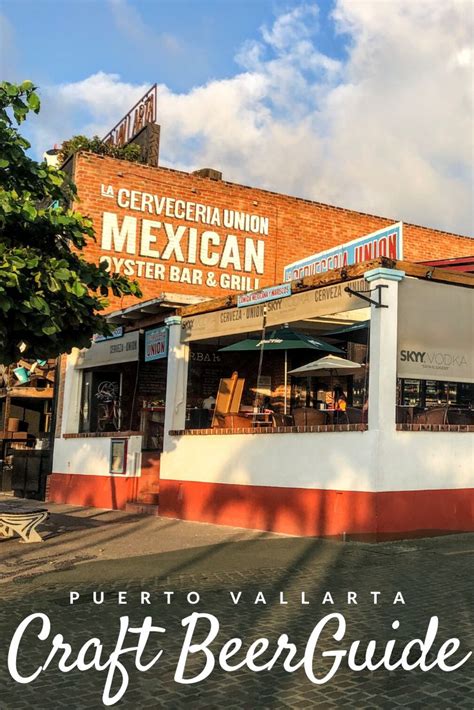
(282, 339)
(357, 333)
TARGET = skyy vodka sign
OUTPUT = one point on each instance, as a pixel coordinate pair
(385, 242)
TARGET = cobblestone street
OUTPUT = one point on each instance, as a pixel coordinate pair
(434, 576)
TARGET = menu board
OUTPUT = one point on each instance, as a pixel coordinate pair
(152, 380)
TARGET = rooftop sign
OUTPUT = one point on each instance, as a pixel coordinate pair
(139, 116)
(385, 242)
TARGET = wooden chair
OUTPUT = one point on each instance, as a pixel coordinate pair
(299, 416)
(435, 415)
(308, 416)
(354, 415)
(402, 416)
(282, 420)
(460, 416)
(237, 421)
(316, 417)
(228, 398)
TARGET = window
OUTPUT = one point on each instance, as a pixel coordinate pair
(118, 456)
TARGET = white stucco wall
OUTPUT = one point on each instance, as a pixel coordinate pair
(425, 460)
(336, 460)
(91, 456)
(350, 461)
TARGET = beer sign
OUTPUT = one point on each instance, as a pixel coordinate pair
(156, 344)
(384, 242)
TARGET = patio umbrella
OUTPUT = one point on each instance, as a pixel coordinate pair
(282, 339)
(327, 366)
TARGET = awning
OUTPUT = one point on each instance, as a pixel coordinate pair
(163, 305)
(110, 352)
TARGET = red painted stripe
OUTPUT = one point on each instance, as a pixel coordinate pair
(449, 510)
(319, 512)
(296, 511)
(96, 491)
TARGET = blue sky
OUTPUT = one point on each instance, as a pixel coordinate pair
(333, 100)
(190, 41)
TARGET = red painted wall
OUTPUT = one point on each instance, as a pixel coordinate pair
(323, 513)
(294, 511)
(297, 511)
(96, 491)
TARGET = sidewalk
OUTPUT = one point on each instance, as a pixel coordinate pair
(74, 535)
(92, 550)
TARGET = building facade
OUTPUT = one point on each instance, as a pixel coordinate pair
(188, 239)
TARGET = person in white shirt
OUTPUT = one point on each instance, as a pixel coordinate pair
(209, 403)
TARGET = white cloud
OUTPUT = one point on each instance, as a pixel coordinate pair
(386, 130)
(291, 27)
(90, 107)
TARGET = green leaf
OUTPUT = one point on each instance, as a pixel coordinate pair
(5, 303)
(29, 210)
(34, 102)
(4, 163)
(40, 304)
(78, 289)
(62, 274)
(16, 262)
(50, 329)
(53, 285)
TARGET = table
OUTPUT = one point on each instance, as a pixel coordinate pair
(259, 419)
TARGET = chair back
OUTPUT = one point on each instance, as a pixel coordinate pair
(237, 421)
(460, 416)
(435, 415)
(354, 415)
(402, 415)
(282, 419)
(315, 417)
(299, 416)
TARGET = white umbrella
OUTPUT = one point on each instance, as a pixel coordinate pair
(327, 366)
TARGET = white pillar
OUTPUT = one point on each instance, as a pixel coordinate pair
(177, 378)
(71, 405)
(383, 349)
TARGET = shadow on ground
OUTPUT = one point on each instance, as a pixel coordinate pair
(433, 575)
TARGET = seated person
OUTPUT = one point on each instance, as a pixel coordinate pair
(329, 399)
(267, 406)
(209, 403)
(340, 400)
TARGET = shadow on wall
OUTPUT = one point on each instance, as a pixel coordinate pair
(295, 511)
(316, 511)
